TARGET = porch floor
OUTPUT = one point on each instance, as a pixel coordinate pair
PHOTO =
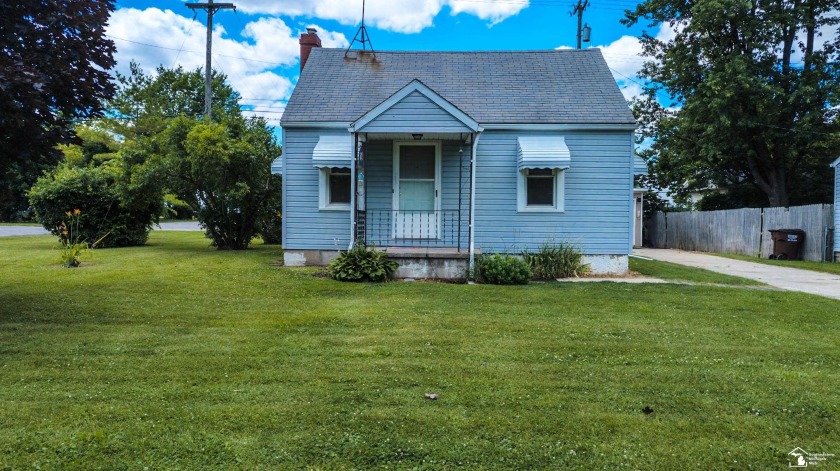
(427, 252)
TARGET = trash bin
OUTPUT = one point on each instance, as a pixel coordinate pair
(787, 243)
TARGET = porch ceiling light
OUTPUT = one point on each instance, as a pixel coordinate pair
(417, 137)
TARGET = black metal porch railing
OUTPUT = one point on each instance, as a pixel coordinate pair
(439, 228)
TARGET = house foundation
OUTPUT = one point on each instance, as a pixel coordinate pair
(308, 258)
(441, 263)
(607, 264)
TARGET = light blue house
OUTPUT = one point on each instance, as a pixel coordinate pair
(438, 156)
(836, 165)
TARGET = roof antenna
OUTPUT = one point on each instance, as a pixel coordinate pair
(361, 37)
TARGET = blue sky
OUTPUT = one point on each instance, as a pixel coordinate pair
(257, 46)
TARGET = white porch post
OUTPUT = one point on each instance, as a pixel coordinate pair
(353, 191)
(476, 136)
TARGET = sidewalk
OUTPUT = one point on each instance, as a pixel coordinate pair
(791, 279)
(21, 230)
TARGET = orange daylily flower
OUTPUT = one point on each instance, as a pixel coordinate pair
(77, 212)
(68, 213)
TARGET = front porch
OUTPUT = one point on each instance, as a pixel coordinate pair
(413, 193)
(411, 198)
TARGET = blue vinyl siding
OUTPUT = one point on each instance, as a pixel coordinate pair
(837, 206)
(305, 226)
(416, 114)
(598, 192)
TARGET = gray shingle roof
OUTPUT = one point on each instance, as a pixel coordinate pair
(511, 87)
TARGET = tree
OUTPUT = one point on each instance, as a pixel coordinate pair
(144, 104)
(744, 112)
(223, 171)
(220, 168)
(54, 62)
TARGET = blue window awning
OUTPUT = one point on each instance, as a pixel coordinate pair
(543, 152)
(639, 165)
(333, 151)
(277, 166)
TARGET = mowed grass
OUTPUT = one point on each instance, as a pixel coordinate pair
(178, 356)
(825, 267)
(676, 272)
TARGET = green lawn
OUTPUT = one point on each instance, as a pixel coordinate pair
(825, 267)
(178, 356)
(30, 224)
(675, 272)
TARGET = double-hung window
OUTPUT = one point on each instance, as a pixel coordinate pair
(337, 186)
(542, 164)
(333, 156)
(541, 190)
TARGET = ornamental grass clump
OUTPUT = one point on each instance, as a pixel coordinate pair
(362, 264)
(71, 245)
(553, 260)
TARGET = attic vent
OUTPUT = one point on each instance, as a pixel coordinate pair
(362, 37)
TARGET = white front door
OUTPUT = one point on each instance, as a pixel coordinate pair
(416, 190)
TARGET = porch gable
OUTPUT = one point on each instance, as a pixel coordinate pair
(417, 109)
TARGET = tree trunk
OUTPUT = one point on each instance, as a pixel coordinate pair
(769, 172)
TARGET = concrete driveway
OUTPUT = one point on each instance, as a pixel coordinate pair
(792, 279)
(6, 231)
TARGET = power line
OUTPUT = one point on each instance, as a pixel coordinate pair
(196, 52)
(186, 36)
(628, 78)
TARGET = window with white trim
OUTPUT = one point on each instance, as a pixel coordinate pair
(335, 188)
(541, 189)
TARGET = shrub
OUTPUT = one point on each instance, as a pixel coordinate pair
(270, 220)
(104, 209)
(270, 227)
(498, 269)
(361, 264)
(552, 261)
(223, 171)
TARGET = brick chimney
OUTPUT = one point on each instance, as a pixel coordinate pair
(308, 40)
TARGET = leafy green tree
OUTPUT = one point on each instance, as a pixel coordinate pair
(54, 62)
(743, 112)
(223, 171)
(144, 103)
(219, 168)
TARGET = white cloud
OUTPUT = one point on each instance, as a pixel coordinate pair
(629, 89)
(494, 12)
(330, 39)
(625, 60)
(154, 37)
(404, 16)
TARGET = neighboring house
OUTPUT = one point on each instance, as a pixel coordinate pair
(696, 196)
(639, 168)
(437, 156)
(836, 165)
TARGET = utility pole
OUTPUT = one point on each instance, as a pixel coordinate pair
(211, 9)
(578, 10)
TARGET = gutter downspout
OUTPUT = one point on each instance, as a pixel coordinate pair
(353, 191)
(476, 137)
(632, 193)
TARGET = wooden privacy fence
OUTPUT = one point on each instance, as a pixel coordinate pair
(744, 231)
